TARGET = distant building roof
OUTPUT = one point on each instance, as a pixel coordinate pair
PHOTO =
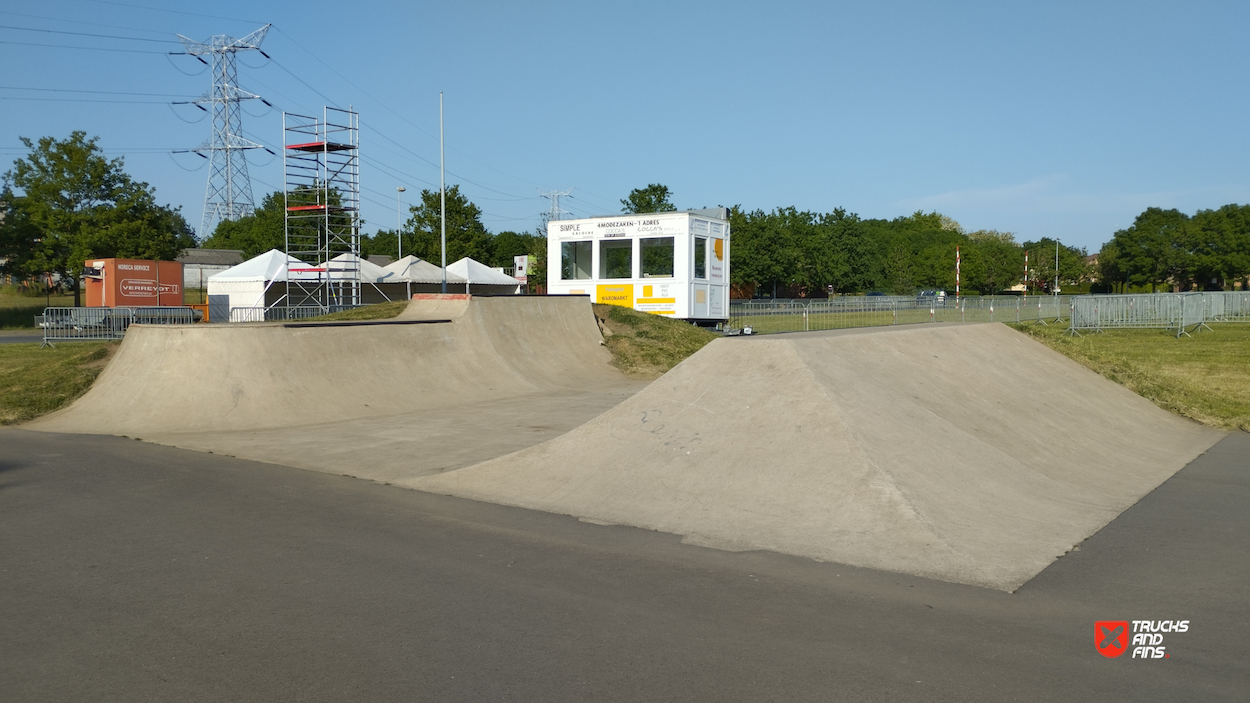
(211, 257)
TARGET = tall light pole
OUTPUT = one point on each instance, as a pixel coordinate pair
(399, 233)
(442, 188)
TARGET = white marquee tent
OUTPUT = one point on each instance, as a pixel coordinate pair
(410, 269)
(476, 273)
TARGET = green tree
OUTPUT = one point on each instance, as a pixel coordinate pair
(505, 246)
(82, 206)
(256, 233)
(1072, 267)
(999, 261)
(653, 198)
(1152, 252)
(1219, 242)
(466, 235)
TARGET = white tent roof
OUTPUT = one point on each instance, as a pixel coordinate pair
(270, 266)
(478, 273)
(369, 272)
(410, 269)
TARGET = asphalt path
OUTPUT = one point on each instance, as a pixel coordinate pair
(21, 339)
(137, 572)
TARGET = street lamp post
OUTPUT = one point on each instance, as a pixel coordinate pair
(399, 234)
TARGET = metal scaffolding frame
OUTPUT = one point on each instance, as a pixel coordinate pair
(321, 175)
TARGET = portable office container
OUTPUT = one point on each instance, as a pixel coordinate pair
(674, 264)
(112, 283)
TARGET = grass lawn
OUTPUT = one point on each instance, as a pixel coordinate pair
(17, 312)
(1205, 378)
(643, 344)
(36, 381)
(767, 323)
(380, 311)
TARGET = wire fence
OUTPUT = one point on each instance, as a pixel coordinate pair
(102, 324)
(767, 316)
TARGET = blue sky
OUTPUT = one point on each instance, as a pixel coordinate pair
(1058, 119)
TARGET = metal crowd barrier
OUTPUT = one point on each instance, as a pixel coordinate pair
(1181, 312)
(765, 316)
(103, 324)
(279, 313)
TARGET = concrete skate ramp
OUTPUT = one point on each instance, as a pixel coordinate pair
(965, 453)
(215, 386)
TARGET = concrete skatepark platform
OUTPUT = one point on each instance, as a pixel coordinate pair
(965, 453)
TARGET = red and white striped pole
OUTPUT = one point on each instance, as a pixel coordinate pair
(956, 274)
(1026, 274)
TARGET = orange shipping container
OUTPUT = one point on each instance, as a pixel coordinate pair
(111, 283)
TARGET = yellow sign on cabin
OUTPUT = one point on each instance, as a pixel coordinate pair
(615, 294)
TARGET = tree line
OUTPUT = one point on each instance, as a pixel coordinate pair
(65, 202)
(75, 204)
(1171, 250)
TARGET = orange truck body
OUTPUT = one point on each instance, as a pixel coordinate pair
(133, 282)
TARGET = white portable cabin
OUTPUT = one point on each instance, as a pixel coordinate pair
(674, 264)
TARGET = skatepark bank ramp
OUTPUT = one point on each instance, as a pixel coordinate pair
(966, 453)
(442, 352)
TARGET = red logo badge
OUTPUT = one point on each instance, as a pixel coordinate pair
(1111, 637)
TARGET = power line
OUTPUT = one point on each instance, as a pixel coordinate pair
(88, 48)
(175, 12)
(93, 24)
(95, 92)
(86, 34)
(83, 100)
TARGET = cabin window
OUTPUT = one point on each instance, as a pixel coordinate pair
(657, 257)
(616, 258)
(574, 260)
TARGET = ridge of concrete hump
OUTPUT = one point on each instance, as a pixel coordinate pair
(966, 453)
(246, 378)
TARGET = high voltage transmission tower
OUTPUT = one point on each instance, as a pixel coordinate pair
(229, 192)
(555, 212)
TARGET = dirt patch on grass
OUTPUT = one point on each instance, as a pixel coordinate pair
(647, 345)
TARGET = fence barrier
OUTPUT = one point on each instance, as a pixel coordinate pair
(1182, 312)
(278, 313)
(103, 324)
(765, 316)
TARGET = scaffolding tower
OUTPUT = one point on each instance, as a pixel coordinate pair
(321, 175)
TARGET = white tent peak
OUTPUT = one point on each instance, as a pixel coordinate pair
(270, 266)
(478, 273)
(412, 269)
(369, 272)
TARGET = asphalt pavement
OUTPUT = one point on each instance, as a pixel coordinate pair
(21, 338)
(135, 572)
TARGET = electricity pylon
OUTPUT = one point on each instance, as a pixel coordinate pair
(555, 212)
(229, 192)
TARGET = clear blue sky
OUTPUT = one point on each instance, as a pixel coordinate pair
(1061, 119)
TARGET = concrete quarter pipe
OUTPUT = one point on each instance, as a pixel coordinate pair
(967, 453)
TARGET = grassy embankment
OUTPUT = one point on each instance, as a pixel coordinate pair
(1205, 377)
(643, 344)
(36, 381)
